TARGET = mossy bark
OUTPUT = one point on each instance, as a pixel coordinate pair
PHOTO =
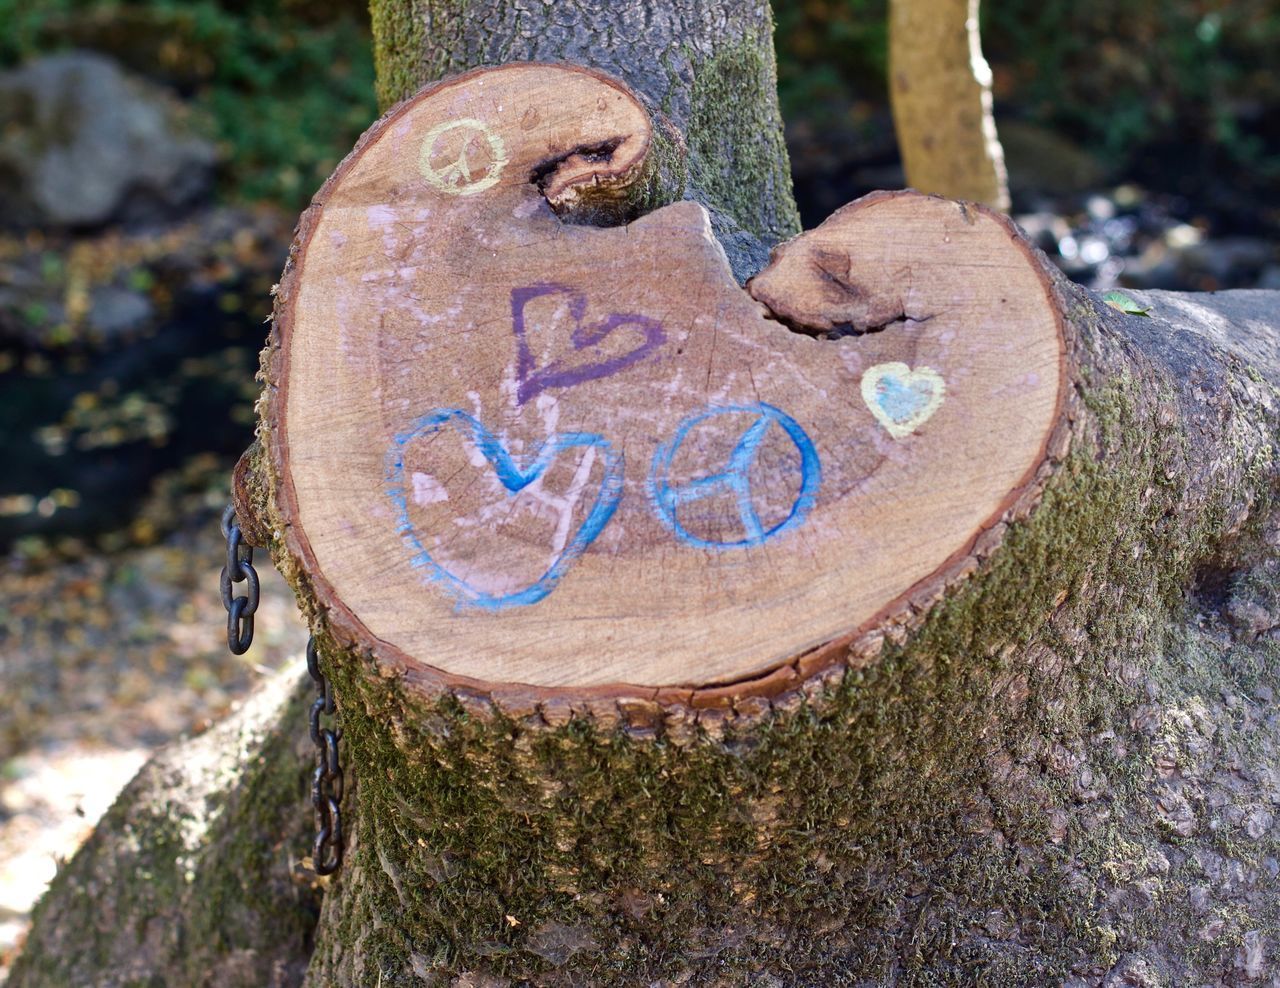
(195, 875)
(707, 65)
(1069, 772)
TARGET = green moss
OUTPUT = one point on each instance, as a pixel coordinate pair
(667, 171)
(398, 49)
(189, 879)
(737, 153)
(241, 882)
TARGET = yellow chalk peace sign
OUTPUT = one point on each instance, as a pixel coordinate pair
(462, 157)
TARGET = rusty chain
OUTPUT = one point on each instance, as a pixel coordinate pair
(238, 569)
(327, 780)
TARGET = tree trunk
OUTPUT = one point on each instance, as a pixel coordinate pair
(1051, 759)
(940, 88)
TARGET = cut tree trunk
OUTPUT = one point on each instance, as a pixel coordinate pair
(675, 643)
(514, 352)
(909, 617)
(940, 90)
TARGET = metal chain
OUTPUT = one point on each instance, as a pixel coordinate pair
(239, 568)
(327, 781)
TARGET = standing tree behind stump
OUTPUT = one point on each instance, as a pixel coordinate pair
(902, 617)
(940, 89)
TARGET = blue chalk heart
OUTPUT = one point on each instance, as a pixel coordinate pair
(514, 479)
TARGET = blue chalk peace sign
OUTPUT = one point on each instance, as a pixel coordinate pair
(735, 478)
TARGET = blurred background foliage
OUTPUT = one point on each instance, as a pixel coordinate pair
(285, 86)
(1141, 136)
(1179, 95)
(1175, 94)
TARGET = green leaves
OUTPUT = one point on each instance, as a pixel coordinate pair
(1123, 303)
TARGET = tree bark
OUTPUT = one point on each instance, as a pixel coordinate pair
(1061, 766)
(940, 88)
(195, 875)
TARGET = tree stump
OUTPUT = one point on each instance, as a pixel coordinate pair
(684, 629)
(521, 451)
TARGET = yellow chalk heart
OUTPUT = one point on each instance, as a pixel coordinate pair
(900, 398)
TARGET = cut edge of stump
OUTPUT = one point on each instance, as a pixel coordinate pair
(638, 707)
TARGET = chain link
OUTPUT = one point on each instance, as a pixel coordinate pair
(326, 782)
(238, 569)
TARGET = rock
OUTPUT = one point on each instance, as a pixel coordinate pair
(86, 144)
(115, 311)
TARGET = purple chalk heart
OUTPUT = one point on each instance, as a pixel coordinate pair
(565, 373)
